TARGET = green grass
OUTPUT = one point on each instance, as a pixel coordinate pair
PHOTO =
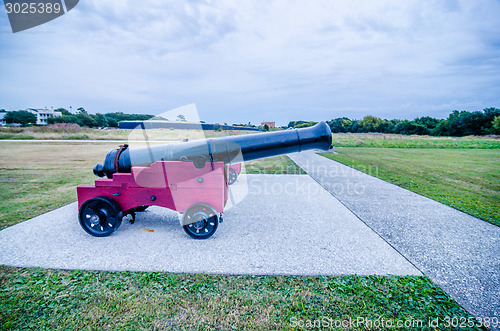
(77, 133)
(400, 141)
(465, 179)
(278, 165)
(49, 299)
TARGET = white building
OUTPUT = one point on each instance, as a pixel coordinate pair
(42, 115)
(2, 120)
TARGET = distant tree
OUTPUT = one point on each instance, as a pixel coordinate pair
(116, 117)
(370, 123)
(441, 129)
(112, 123)
(65, 119)
(63, 111)
(410, 127)
(305, 125)
(427, 121)
(387, 126)
(82, 110)
(491, 113)
(22, 117)
(341, 124)
(100, 120)
(346, 124)
(87, 120)
(181, 118)
(293, 124)
(3, 111)
(265, 127)
(80, 119)
(496, 125)
(356, 127)
(465, 123)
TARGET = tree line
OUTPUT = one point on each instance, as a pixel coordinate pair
(458, 123)
(82, 118)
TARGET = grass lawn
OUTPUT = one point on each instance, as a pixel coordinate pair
(77, 133)
(383, 140)
(45, 299)
(278, 165)
(465, 179)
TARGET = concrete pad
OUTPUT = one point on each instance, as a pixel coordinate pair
(288, 224)
(460, 253)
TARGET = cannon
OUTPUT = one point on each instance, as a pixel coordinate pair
(191, 177)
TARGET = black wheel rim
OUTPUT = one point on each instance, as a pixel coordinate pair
(202, 222)
(232, 176)
(98, 217)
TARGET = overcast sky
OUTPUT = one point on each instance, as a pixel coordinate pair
(242, 61)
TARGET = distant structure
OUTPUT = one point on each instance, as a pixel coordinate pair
(2, 121)
(270, 125)
(179, 125)
(42, 115)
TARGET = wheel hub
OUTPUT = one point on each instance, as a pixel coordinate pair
(94, 220)
(200, 220)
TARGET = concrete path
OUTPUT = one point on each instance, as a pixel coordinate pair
(460, 253)
(285, 225)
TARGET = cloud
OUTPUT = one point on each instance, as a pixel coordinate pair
(254, 60)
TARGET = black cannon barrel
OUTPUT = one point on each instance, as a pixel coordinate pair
(229, 149)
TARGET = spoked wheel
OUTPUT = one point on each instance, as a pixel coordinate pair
(232, 176)
(100, 216)
(201, 221)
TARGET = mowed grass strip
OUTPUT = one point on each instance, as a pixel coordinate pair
(384, 140)
(465, 179)
(49, 299)
(277, 165)
(83, 133)
(37, 177)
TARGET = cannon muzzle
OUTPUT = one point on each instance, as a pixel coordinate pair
(230, 149)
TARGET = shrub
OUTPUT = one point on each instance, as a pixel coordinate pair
(64, 127)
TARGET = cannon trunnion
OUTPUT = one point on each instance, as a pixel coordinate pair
(191, 178)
